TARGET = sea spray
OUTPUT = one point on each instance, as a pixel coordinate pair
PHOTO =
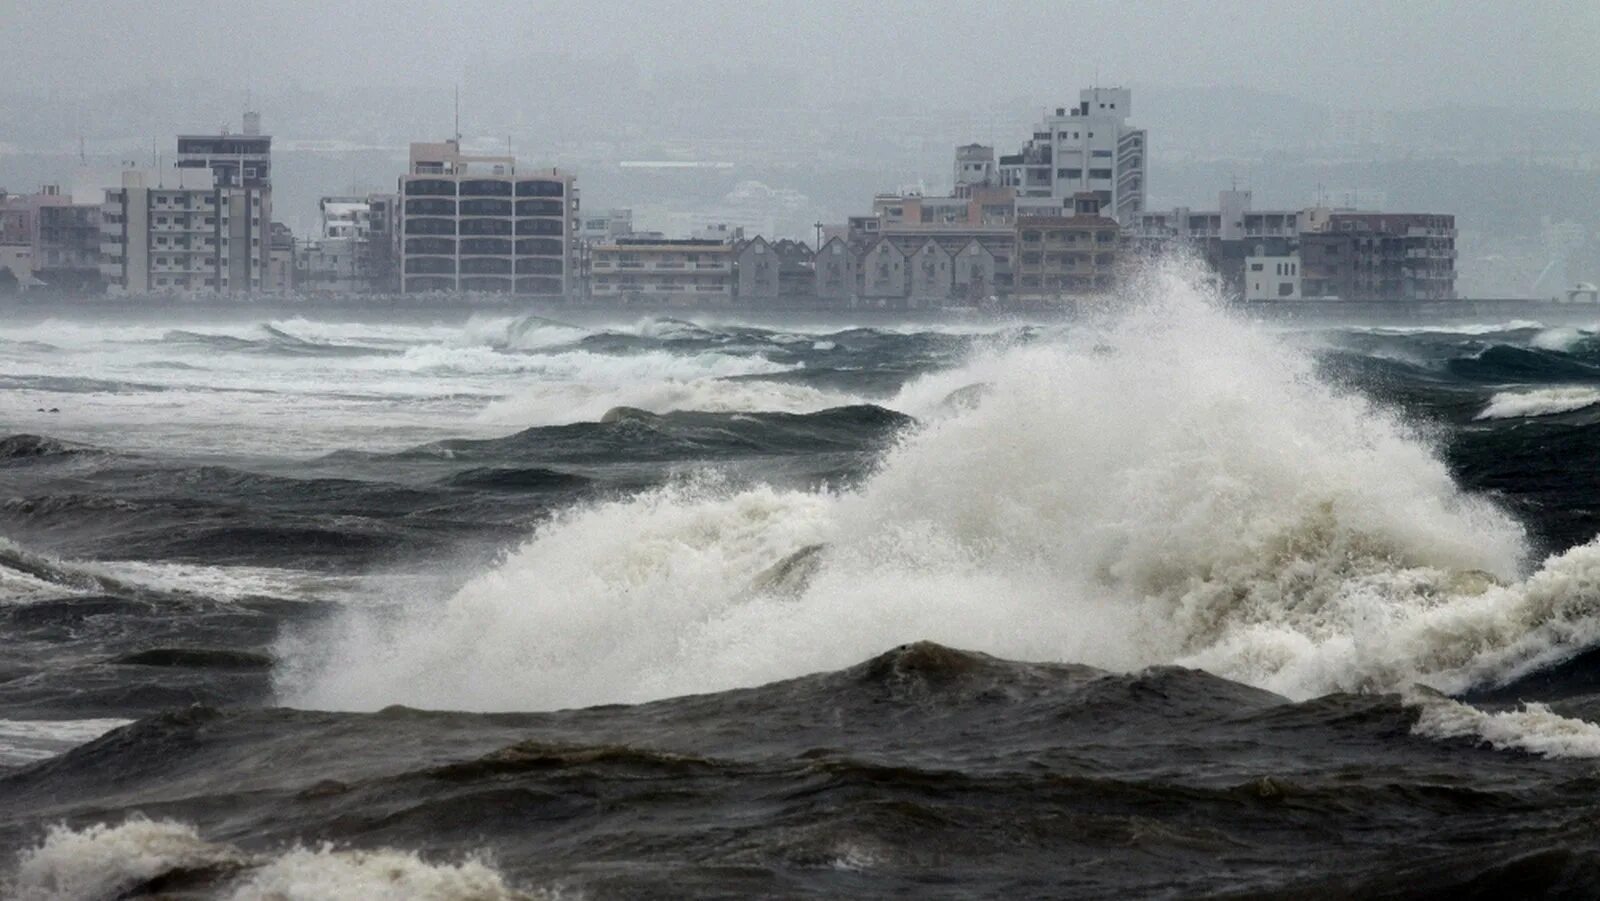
(1164, 485)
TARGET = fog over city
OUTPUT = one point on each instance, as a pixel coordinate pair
(1489, 111)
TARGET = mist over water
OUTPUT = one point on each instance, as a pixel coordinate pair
(873, 590)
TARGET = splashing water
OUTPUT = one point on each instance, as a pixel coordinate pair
(1162, 484)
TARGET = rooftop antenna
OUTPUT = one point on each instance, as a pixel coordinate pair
(458, 115)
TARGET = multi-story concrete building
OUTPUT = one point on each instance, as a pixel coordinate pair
(1380, 256)
(658, 271)
(975, 166)
(1063, 257)
(237, 160)
(66, 255)
(178, 230)
(353, 252)
(474, 223)
(48, 241)
(1085, 148)
(240, 164)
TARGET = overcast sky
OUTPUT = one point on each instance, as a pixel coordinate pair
(1351, 53)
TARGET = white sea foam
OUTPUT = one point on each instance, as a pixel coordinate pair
(1170, 487)
(1534, 728)
(104, 861)
(1559, 338)
(1539, 402)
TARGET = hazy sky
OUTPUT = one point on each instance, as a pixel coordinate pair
(1352, 53)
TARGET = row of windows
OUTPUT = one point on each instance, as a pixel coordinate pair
(483, 227)
(502, 246)
(443, 187)
(428, 206)
(483, 266)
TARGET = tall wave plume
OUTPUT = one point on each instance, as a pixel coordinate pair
(1159, 484)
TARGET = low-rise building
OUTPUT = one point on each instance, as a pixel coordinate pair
(1067, 257)
(758, 268)
(659, 271)
(883, 274)
(1272, 277)
(834, 271)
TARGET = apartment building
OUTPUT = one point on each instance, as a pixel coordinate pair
(1089, 148)
(1062, 257)
(178, 230)
(237, 160)
(663, 272)
(50, 242)
(1380, 256)
(473, 223)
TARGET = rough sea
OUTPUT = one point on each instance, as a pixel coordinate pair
(1164, 600)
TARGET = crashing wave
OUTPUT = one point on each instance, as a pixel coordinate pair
(140, 857)
(1539, 402)
(1166, 486)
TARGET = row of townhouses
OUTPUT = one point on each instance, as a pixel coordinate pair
(1059, 219)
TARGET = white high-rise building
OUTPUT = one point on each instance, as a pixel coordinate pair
(177, 230)
(1085, 148)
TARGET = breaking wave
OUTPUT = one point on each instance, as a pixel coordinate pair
(139, 857)
(1539, 402)
(1164, 485)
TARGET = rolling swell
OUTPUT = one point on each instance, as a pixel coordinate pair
(925, 770)
(1275, 601)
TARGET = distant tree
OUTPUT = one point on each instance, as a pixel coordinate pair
(8, 280)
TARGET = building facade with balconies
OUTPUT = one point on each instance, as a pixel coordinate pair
(177, 230)
(662, 272)
(475, 224)
(1380, 256)
(1065, 257)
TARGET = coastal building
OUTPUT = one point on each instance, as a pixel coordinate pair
(1336, 253)
(664, 272)
(1069, 256)
(975, 166)
(796, 278)
(1272, 277)
(281, 259)
(66, 250)
(1090, 148)
(48, 241)
(931, 276)
(474, 223)
(1380, 256)
(757, 272)
(237, 160)
(241, 166)
(883, 274)
(976, 269)
(353, 251)
(178, 230)
(834, 272)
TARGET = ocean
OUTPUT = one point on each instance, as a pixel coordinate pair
(1165, 599)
